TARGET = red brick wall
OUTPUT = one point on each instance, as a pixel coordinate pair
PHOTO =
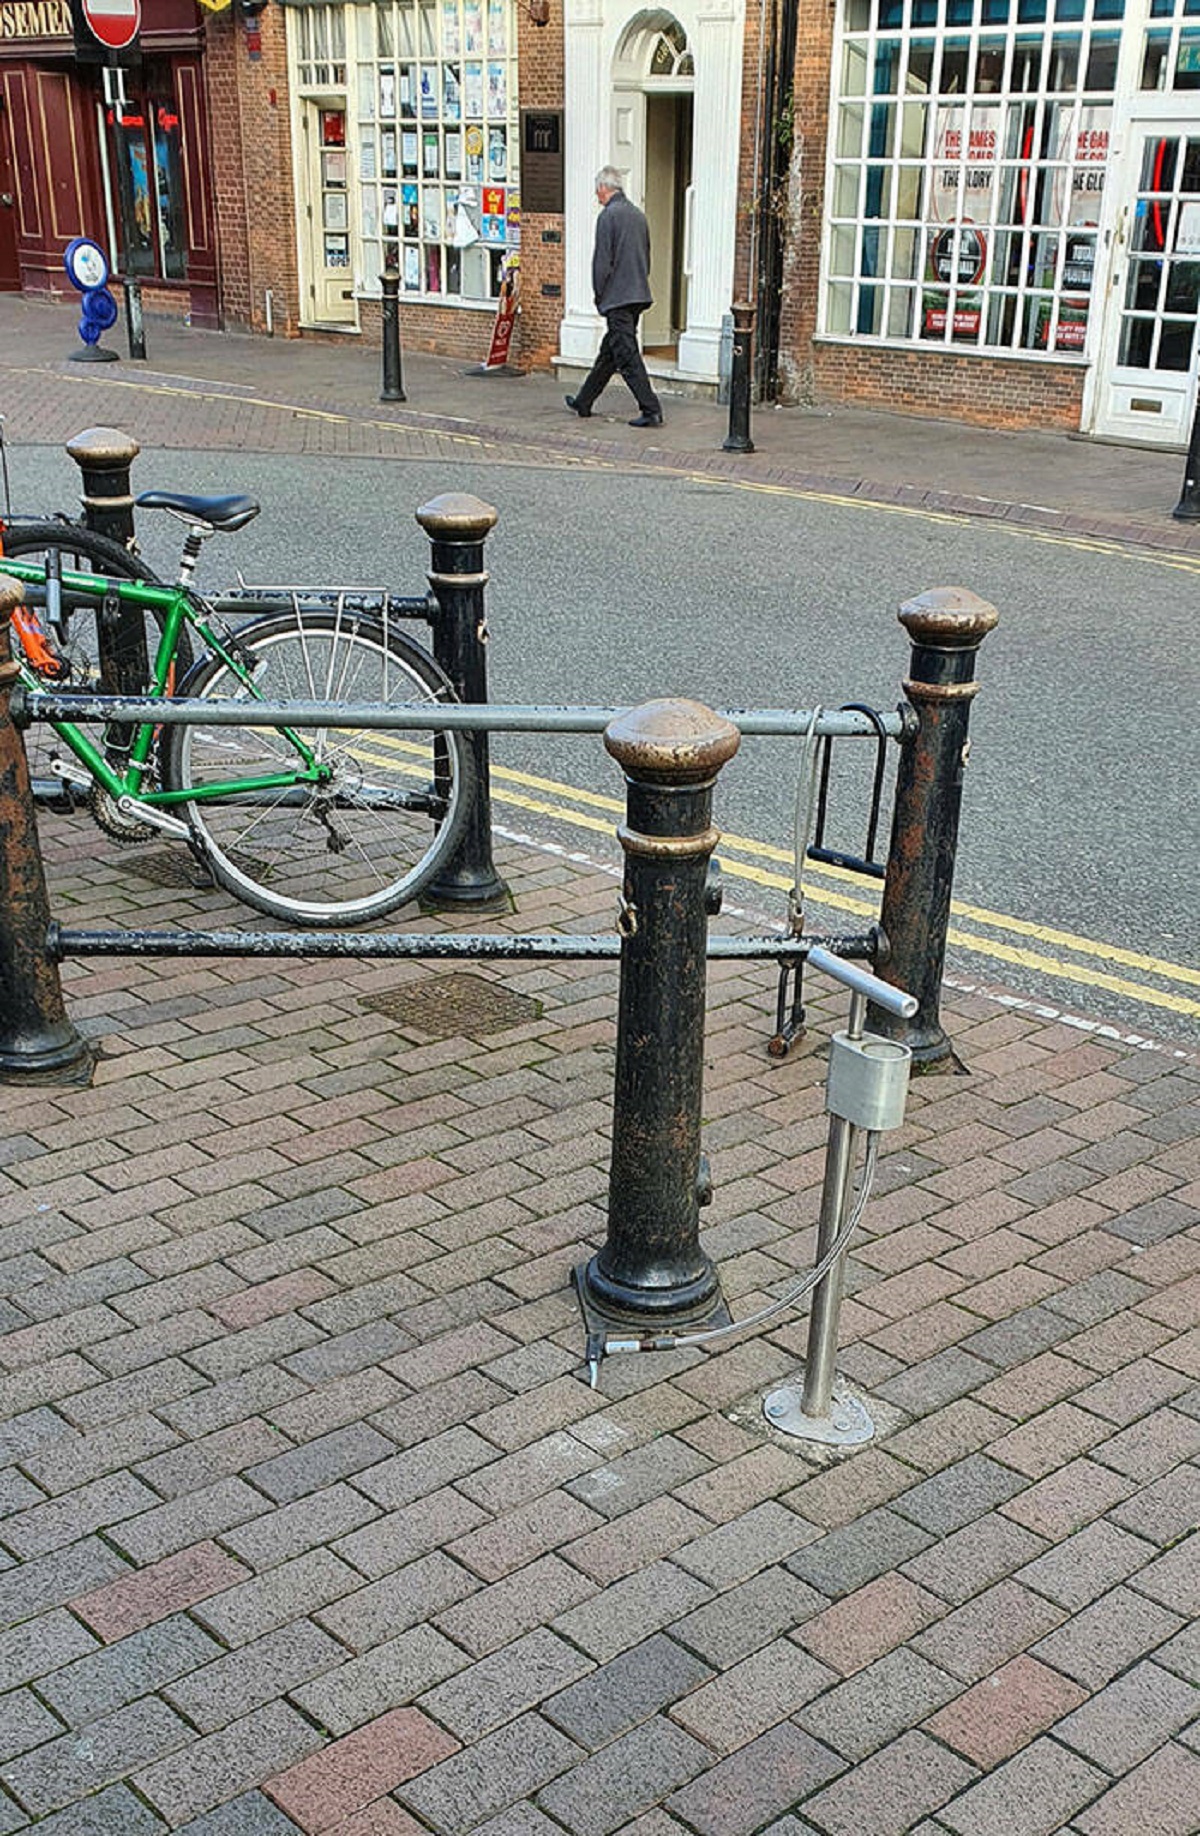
(252, 170)
(990, 391)
(543, 270)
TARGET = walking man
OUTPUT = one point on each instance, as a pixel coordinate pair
(621, 285)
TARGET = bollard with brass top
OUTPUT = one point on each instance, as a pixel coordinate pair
(38, 1044)
(947, 625)
(458, 525)
(105, 457)
(652, 1270)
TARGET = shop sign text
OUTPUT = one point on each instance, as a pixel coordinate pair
(34, 19)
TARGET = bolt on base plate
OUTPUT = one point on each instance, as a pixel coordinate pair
(848, 1423)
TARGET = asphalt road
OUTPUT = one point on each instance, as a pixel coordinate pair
(1081, 803)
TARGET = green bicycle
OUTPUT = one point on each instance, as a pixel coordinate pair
(323, 827)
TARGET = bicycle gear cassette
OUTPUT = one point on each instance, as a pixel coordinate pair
(114, 821)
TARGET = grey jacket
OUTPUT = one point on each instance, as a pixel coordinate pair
(621, 261)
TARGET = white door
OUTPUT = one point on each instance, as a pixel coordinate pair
(1146, 381)
(330, 279)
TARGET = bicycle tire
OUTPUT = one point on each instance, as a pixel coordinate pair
(82, 551)
(275, 852)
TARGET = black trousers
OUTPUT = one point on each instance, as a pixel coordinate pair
(619, 351)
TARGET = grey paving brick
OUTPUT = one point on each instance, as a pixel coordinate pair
(1164, 1511)
(249, 1815)
(25, 1723)
(519, 1537)
(236, 1352)
(40, 1645)
(631, 1688)
(67, 1293)
(736, 1550)
(936, 1381)
(295, 1588)
(233, 1685)
(234, 1399)
(856, 1553)
(503, 1685)
(116, 1811)
(201, 1463)
(136, 1666)
(12, 1818)
(987, 1630)
(221, 1766)
(519, 1477)
(1033, 1794)
(606, 1791)
(502, 1769)
(401, 1536)
(622, 1485)
(1020, 1337)
(17, 1493)
(756, 1783)
(130, 1351)
(349, 1351)
(959, 1494)
(1107, 1636)
(441, 1461)
(1086, 1565)
(765, 1688)
(974, 1557)
(150, 1388)
(388, 1676)
(32, 1587)
(71, 1767)
(631, 1610)
(19, 1433)
(322, 1517)
(1129, 1718)
(183, 1521)
(495, 1615)
(406, 1598)
(66, 1520)
(737, 1622)
(890, 1791)
(302, 1470)
(873, 1707)
(1153, 1222)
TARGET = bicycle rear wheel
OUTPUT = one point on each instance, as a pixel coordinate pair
(394, 805)
(79, 551)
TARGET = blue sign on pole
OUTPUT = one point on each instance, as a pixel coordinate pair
(87, 270)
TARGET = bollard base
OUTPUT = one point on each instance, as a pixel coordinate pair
(94, 353)
(700, 1303)
(393, 395)
(68, 1059)
(489, 895)
(1187, 510)
(737, 446)
(848, 1423)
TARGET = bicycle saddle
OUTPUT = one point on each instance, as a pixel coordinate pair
(226, 513)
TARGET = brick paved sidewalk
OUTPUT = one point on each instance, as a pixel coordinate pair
(310, 1522)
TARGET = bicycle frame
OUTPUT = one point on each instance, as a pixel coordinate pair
(176, 607)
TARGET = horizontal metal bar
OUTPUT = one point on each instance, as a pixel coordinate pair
(860, 981)
(65, 942)
(440, 717)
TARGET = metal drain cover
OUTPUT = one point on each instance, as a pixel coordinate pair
(169, 867)
(446, 1005)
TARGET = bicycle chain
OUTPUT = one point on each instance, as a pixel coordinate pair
(125, 829)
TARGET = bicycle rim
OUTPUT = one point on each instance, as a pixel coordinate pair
(340, 854)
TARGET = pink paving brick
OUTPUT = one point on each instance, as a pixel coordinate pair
(267, 1299)
(136, 1600)
(874, 1619)
(1005, 1711)
(346, 1778)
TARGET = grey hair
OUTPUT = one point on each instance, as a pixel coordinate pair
(609, 179)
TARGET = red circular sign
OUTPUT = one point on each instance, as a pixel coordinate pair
(116, 23)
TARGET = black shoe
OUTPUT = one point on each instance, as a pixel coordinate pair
(647, 420)
(572, 401)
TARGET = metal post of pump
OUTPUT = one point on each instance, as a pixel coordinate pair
(740, 380)
(38, 1044)
(135, 324)
(865, 1093)
(105, 457)
(393, 377)
(458, 527)
(947, 625)
(652, 1270)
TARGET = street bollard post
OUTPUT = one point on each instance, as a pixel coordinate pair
(105, 457)
(135, 323)
(38, 1044)
(393, 376)
(458, 526)
(652, 1271)
(740, 380)
(946, 625)
(1187, 510)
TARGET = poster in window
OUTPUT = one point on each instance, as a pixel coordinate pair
(473, 140)
(387, 149)
(412, 269)
(497, 91)
(408, 153)
(337, 251)
(391, 213)
(431, 215)
(410, 215)
(430, 157)
(366, 155)
(497, 26)
(493, 219)
(451, 93)
(497, 153)
(408, 105)
(473, 91)
(454, 153)
(450, 45)
(367, 211)
(333, 210)
(387, 95)
(433, 269)
(333, 168)
(429, 94)
(333, 127)
(962, 179)
(513, 215)
(472, 26)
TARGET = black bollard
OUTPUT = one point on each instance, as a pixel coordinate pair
(740, 380)
(652, 1269)
(38, 1044)
(1187, 510)
(947, 626)
(105, 457)
(135, 324)
(457, 526)
(393, 377)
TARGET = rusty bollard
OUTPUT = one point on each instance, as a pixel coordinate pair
(947, 625)
(652, 1270)
(458, 527)
(105, 456)
(38, 1044)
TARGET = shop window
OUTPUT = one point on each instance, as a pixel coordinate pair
(145, 151)
(965, 212)
(431, 152)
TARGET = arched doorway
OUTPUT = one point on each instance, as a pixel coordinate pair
(652, 120)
